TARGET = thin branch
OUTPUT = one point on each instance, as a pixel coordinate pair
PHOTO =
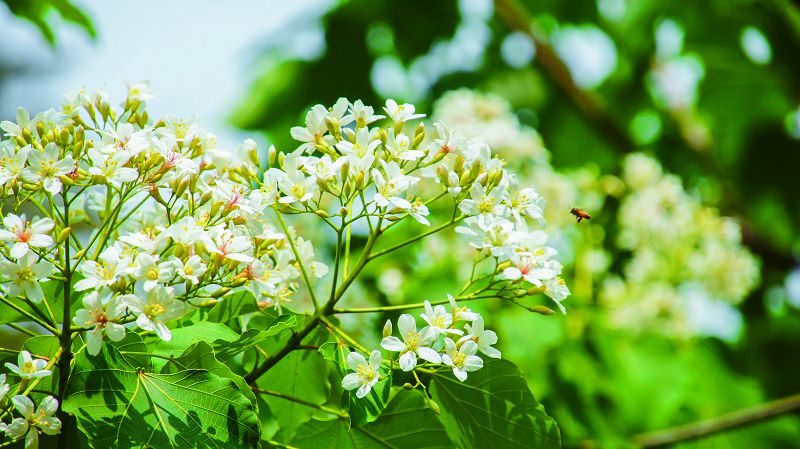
(341, 414)
(708, 427)
(516, 17)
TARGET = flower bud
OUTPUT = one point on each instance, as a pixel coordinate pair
(64, 234)
(419, 135)
(322, 213)
(541, 310)
(220, 292)
(208, 303)
(442, 173)
(40, 130)
(434, 407)
(387, 328)
(272, 155)
(408, 386)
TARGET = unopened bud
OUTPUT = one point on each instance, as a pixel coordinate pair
(64, 234)
(434, 407)
(272, 155)
(63, 136)
(542, 310)
(387, 329)
(40, 129)
(220, 292)
(322, 213)
(419, 135)
(408, 386)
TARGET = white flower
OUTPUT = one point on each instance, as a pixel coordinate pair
(23, 122)
(47, 166)
(186, 231)
(438, 320)
(557, 289)
(4, 387)
(12, 162)
(484, 338)
(525, 202)
(419, 211)
(400, 113)
(389, 189)
(191, 270)
(105, 274)
(365, 143)
(33, 421)
(462, 313)
(365, 375)
(296, 186)
(413, 344)
(484, 204)
(101, 312)
(112, 166)
(160, 306)
(151, 272)
(27, 367)
(25, 276)
(530, 267)
(463, 359)
(315, 128)
(361, 114)
(221, 241)
(25, 234)
(140, 91)
(400, 147)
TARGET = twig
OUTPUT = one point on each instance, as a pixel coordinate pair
(516, 17)
(712, 426)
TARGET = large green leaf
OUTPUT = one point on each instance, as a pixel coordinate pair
(301, 375)
(493, 408)
(407, 422)
(201, 356)
(184, 337)
(120, 406)
(253, 337)
(232, 307)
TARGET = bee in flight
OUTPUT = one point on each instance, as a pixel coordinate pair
(580, 214)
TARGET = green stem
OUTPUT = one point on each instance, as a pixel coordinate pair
(65, 339)
(19, 328)
(418, 237)
(418, 305)
(30, 316)
(297, 257)
(341, 414)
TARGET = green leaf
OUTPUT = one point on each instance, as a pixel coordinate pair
(253, 337)
(493, 408)
(232, 307)
(302, 375)
(118, 406)
(184, 337)
(201, 356)
(407, 422)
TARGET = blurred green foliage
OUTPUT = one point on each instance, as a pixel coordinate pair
(40, 12)
(731, 148)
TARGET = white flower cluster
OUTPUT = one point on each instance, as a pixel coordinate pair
(32, 420)
(675, 243)
(681, 250)
(451, 338)
(392, 167)
(151, 219)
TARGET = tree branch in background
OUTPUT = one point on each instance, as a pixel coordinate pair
(722, 423)
(592, 107)
(589, 104)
